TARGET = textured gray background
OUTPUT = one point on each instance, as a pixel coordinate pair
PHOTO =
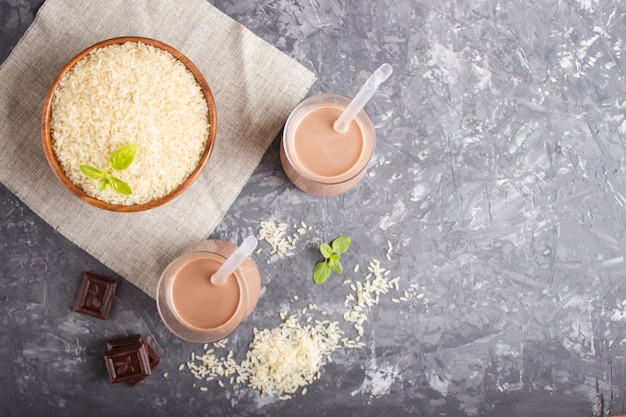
(499, 177)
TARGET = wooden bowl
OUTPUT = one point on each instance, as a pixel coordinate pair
(56, 166)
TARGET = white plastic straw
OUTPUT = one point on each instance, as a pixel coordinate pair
(234, 260)
(362, 97)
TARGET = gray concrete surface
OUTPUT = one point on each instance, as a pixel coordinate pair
(498, 178)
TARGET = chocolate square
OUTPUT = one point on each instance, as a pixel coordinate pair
(95, 295)
(133, 341)
(128, 363)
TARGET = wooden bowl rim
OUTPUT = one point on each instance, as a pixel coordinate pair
(56, 166)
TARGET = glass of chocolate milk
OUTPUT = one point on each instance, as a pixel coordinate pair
(197, 310)
(318, 159)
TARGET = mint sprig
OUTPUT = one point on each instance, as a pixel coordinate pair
(332, 255)
(119, 160)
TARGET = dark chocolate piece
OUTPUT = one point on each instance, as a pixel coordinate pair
(95, 295)
(154, 358)
(133, 341)
(128, 363)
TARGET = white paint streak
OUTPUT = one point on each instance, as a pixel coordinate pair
(439, 383)
(398, 213)
(378, 380)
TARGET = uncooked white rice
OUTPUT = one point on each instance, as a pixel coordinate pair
(130, 93)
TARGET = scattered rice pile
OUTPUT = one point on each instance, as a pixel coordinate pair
(130, 93)
(367, 294)
(288, 357)
(279, 361)
(275, 235)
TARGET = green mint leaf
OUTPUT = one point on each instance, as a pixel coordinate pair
(91, 172)
(321, 272)
(103, 184)
(120, 186)
(123, 157)
(335, 266)
(326, 250)
(341, 244)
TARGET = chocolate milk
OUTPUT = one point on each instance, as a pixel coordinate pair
(315, 157)
(195, 309)
(197, 301)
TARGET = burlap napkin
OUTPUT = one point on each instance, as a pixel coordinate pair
(255, 87)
